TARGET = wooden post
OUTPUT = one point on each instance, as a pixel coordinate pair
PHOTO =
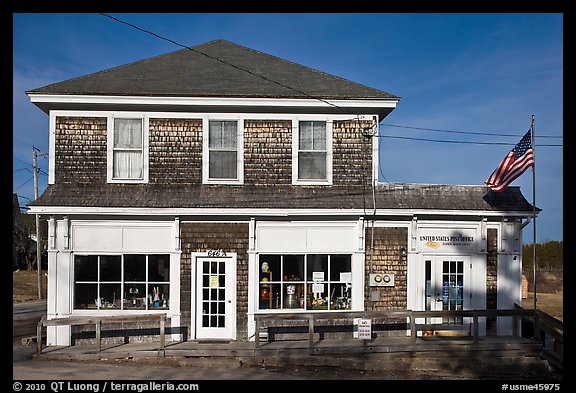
(162, 336)
(412, 328)
(99, 334)
(39, 337)
(475, 327)
(310, 331)
(257, 333)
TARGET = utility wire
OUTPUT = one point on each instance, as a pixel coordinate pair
(222, 61)
(465, 132)
(323, 100)
(27, 181)
(463, 142)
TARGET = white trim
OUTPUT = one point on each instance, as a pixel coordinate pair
(110, 147)
(279, 212)
(213, 101)
(201, 115)
(295, 152)
(375, 152)
(52, 149)
(239, 149)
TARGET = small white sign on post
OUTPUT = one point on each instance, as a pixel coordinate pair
(364, 328)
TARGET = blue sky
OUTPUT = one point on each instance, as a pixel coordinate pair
(478, 73)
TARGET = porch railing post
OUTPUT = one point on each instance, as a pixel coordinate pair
(475, 327)
(257, 333)
(39, 337)
(310, 331)
(99, 334)
(162, 333)
(412, 327)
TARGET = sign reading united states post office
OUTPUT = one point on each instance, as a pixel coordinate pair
(447, 239)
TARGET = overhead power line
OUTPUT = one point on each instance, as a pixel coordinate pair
(223, 61)
(462, 142)
(467, 132)
(332, 104)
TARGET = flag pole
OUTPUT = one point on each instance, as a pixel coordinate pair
(536, 324)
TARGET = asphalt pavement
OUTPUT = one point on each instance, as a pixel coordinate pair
(25, 317)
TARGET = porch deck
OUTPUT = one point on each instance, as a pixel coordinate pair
(287, 348)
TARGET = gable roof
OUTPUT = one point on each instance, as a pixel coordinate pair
(217, 68)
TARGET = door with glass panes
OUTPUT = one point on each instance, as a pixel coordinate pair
(447, 286)
(216, 297)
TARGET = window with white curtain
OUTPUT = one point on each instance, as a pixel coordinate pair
(128, 150)
(312, 150)
(222, 150)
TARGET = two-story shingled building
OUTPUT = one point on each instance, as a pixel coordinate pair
(217, 181)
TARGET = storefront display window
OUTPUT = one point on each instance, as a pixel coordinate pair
(121, 282)
(305, 282)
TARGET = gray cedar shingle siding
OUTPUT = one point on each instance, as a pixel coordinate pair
(352, 154)
(387, 259)
(267, 152)
(175, 151)
(176, 173)
(80, 154)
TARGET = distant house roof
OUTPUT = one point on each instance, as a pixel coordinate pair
(215, 69)
(396, 196)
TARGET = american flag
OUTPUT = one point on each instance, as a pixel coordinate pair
(520, 158)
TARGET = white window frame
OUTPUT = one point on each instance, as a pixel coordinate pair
(305, 281)
(110, 149)
(295, 150)
(123, 283)
(206, 151)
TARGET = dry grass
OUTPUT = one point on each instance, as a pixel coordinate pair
(25, 285)
(551, 303)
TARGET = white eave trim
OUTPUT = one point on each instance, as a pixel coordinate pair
(211, 101)
(66, 210)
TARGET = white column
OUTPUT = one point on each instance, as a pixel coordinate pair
(252, 279)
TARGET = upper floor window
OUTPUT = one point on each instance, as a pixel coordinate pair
(223, 152)
(127, 150)
(312, 164)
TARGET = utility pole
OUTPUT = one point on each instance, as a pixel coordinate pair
(38, 247)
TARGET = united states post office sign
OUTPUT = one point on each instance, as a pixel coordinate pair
(447, 240)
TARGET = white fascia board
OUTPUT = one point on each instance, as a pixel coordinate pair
(215, 101)
(276, 212)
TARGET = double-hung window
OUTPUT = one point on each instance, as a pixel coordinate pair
(127, 151)
(312, 164)
(223, 152)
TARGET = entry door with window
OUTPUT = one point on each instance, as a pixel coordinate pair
(215, 297)
(447, 286)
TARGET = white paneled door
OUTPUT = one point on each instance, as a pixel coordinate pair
(216, 297)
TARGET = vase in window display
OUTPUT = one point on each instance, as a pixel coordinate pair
(291, 301)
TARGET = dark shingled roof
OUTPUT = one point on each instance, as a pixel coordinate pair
(398, 196)
(215, 69)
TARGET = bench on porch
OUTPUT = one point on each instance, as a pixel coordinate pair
(411, 317)
(98, 321)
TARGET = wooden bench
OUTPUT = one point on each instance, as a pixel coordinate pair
(98, 321)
